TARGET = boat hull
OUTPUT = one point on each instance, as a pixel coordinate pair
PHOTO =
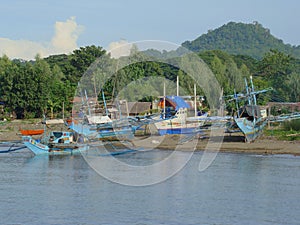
(67, 148)
(250, 129)
(41, 149)
(91, 132)
(177, 131)
(31, 132)
(175, 127)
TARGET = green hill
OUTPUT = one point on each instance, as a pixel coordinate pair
(241, 39)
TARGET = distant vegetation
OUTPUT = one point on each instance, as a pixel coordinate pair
(241, 39)
(30, 89)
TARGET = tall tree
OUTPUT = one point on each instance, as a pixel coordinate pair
(275, 67)
(7, 73)
(42, 76)
(82, 58)
(293, 87)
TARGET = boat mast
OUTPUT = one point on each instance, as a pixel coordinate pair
(104, 102)
(195, 100)
(164, 112)
(247, 90)
(236, 103)
(177, 86)
(252, 86)
(254, 99)
(87, 102)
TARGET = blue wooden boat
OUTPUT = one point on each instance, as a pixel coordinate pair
(249, 119)
(250, 128)
(70, 143)
(174, 119)
(58, 143)
(109, 130)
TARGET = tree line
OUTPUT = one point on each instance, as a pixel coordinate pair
(44, 86)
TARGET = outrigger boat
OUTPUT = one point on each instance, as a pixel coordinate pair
(174, 118)
(102, 128)
(63, 144)
(58, 143)
(249, 119)
(69, 143)
(52, 142)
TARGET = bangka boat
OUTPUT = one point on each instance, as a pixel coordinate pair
(175, 119)
(58, 143)
(251, 123)
(91, 148)
(102, 128)
(249, 119)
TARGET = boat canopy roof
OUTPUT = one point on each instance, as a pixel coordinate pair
(55, 121)
(177, 102)
(251, 110)
(98, 119)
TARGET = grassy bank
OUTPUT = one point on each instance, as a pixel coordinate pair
(286, 131)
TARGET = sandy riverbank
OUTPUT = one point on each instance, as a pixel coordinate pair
(228, 144)
(9, 131)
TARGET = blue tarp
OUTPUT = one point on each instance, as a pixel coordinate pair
(178, 101)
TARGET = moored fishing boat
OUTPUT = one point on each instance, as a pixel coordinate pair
(249, 119)
(70, 143)
(58, 143)
(102, 128)
(174, 119)
(251, 125)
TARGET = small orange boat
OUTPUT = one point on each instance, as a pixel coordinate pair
(31, 132)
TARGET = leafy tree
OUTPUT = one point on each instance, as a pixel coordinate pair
(275, 67)
(82, 58)
(219, 69)
(42, 76)
(293, 86)
(7, 72)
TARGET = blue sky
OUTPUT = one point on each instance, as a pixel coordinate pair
(33, 23)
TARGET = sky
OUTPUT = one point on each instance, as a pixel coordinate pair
(48, 27)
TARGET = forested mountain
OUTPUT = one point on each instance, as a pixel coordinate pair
(241, 39)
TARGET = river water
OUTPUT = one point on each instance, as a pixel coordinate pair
(235, 189)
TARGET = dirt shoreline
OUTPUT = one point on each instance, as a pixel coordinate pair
(233, 144)
(9, 131)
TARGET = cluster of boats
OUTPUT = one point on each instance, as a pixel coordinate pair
(89, 131)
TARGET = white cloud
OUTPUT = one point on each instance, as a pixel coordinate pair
(66, 35)
(64, 41)
(119, 48)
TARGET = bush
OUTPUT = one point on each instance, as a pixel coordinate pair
(292, 125)
(29, 115)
